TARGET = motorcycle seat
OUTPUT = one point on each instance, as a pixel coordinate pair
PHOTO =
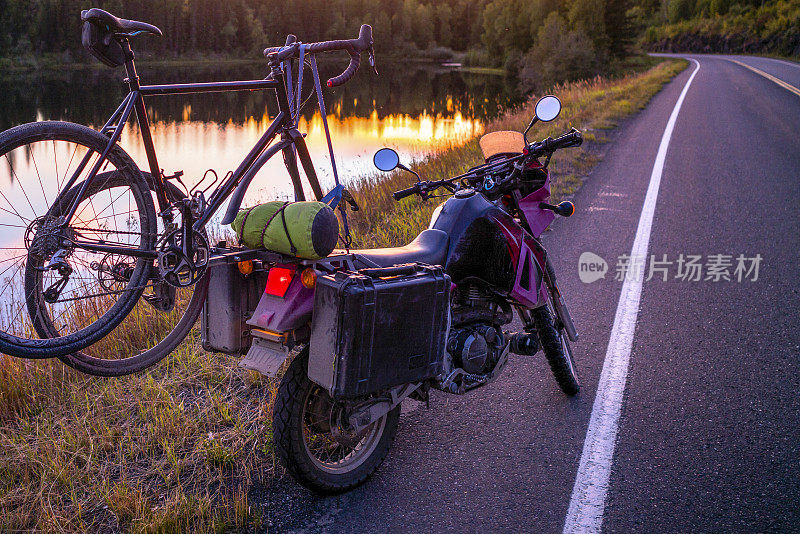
(430, 247)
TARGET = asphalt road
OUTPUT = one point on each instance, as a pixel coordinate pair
(708, 439)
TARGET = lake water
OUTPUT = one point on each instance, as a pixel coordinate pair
(416, 110)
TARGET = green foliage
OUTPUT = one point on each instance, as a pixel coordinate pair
(771, 27)
(509, 34)
(559, 55)
(244, 27)
(681, 9)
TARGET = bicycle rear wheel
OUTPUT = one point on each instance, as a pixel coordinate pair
(161, 318)
(55, 297)
(144, 337)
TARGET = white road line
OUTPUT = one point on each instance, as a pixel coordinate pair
(586, 506)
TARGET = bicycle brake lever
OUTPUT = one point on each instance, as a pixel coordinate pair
(347, 197)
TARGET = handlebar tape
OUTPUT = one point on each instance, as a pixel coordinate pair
(354, 47)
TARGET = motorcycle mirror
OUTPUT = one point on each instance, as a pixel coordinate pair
(547, 108)
(386, 159)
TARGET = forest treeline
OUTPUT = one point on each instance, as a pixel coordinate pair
(753, 27)
(541, 40)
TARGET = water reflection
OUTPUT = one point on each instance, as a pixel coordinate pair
(415, 112)
(195, 146)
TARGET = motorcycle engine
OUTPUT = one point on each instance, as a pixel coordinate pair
(475, 348)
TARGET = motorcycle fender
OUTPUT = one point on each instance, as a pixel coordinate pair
(265, 356)
(287, 313)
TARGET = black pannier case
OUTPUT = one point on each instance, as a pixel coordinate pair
(378, 328)
(232, 299)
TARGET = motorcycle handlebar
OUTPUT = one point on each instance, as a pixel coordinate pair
(572, 139)
(403, 193)
(354, 47)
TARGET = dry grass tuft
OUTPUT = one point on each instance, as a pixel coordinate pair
(175, 449)
(171, 450)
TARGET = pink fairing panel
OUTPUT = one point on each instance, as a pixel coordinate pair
(538, 219)
(528, 287)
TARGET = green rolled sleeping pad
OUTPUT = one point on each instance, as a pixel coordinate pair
(307, 230)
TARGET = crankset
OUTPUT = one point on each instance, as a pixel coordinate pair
(181, 264)
(183, 252)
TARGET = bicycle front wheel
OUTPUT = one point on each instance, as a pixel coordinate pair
(57, 297)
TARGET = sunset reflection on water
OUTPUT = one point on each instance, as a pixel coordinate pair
(417, 112)
(195, 146)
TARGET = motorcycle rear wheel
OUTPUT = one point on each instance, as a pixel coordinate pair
(317, 453)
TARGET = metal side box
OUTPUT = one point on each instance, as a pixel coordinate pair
(232, 298)
(378, 328)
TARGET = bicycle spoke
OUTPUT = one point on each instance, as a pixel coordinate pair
(6, 270)
(111, 205)
(41, 185)
(118, 214)
(10, 204)
(19, 267)
(13, 258)
(69, 164)
(55, 162)
(13, 213)
(22, 188)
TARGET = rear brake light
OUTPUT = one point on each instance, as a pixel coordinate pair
(278, 280)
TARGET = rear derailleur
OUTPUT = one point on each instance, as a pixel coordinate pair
(45, 237)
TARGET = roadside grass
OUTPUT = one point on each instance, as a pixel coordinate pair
(171, 450)
(176, 449)
(593, 106)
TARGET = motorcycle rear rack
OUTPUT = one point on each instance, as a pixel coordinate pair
(336, 261)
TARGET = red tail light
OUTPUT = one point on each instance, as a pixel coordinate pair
(278, 280)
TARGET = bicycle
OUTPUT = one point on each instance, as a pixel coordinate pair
(137, 264)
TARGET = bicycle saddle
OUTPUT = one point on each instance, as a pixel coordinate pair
(117, 25)
(429, 247)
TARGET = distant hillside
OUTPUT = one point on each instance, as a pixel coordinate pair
(727, 27)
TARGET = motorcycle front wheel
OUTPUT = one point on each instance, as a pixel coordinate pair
(556, 349)
(313, 446)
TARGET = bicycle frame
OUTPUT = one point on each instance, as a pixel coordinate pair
(292, 144)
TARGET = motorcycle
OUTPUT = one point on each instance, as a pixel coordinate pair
(363, 330)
